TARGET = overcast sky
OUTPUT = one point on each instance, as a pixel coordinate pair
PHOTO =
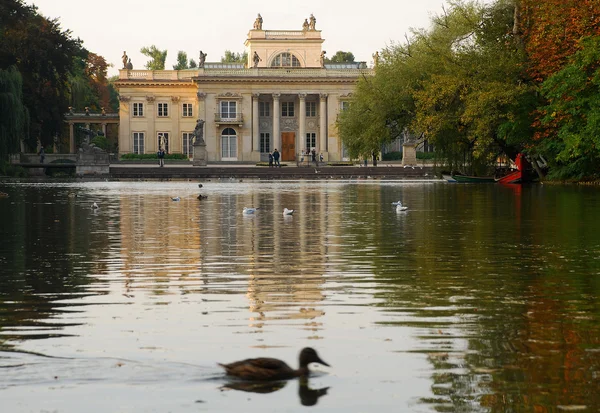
(108, 27)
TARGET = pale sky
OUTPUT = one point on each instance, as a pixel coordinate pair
(109, 27)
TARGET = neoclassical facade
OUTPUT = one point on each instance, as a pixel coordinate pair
(283, 98)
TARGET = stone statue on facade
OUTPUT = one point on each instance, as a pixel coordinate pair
(313, 22)
(256, 59)
(199, 132)
(201, 59)
(129, 65)
(258, 22)
(375, 59)
(305, 25)
(199, 146)
(323, 58)
(125, 60)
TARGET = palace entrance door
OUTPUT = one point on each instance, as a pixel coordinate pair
(288, 146)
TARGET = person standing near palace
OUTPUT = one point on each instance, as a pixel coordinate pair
(276, 158)
(270, 160)
(161, 157)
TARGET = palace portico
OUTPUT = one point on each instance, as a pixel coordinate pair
(284, 97)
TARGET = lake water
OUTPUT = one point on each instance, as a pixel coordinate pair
(478, 298)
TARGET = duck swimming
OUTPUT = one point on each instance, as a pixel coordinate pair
(272, 369)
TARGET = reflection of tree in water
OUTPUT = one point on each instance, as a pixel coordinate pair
(503, 325)
(49, 261)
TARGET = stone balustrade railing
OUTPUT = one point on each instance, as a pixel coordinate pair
(252, 72)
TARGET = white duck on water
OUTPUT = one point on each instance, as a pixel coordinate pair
(399, 206)
(288, 211)
(249, 211)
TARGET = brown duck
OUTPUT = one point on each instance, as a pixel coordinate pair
(272, 369)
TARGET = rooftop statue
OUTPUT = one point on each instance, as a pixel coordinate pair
(129, 64)
(313, 22)
(258, 22)
(124, 60)
(201, 59)
(323, 58)
(305, 25)
(375, 59)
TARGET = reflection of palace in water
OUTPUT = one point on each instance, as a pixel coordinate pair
(210, 247)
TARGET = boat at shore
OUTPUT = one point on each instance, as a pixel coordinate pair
(469, 179)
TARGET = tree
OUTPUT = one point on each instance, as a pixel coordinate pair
(45, 56)
(14, 116)
(573, 114)
(157, 57)
(553, 29)
(182, 61)
(341, 57)
(231, 57)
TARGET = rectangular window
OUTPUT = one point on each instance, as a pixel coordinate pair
(228, 147)
(311, 109)
(163, 141)
(265, 142)
(264, 109)
(311, 140)
(138, 142)
(344, 105)
(138, 109)
(186, 110)
(228, 110)
(187, 143)
(163, 109)
(287, 109)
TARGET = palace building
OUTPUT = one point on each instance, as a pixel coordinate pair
(284, 97)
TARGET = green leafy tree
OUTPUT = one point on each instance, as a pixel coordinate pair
(157, 57)
(14, 116)
(193, 64)
(44, 55)
(341, 57)
(573, 114)
(232, 57)
(459, 84)
(182, 61)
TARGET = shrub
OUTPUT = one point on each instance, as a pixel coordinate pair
(426, 155)
(11, 170)
(101, 142)
(392, 156)
(151, 156)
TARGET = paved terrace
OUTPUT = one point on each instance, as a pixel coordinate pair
(186, 171)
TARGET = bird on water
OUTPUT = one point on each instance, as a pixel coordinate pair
(265, 368)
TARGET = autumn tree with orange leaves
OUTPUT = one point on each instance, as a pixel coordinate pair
(561, 38)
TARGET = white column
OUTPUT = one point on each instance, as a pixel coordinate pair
(276, 131)
(255, 131)
(322, 123)
(104, 129)
(302, 122)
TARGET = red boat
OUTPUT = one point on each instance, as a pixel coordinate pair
(516, 176)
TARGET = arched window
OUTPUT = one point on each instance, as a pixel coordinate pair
(285, 60)
(228, 144)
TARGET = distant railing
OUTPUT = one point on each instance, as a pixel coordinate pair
(240, 72)
(158, 74)
(274, 34)
(229, 117)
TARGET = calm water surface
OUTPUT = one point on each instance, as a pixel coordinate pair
(479, 298)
